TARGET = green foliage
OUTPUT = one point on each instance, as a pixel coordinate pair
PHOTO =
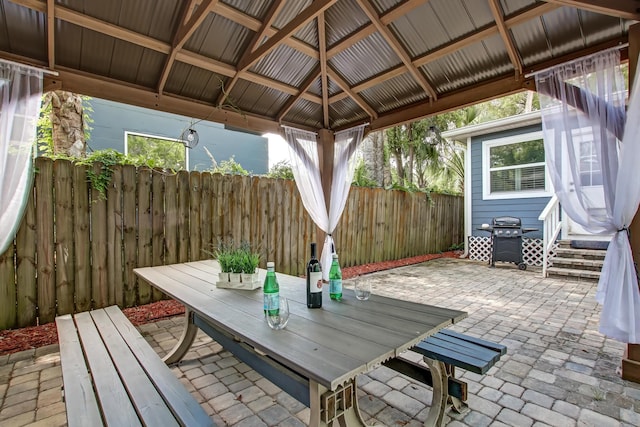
(101, 179)
(230, 167)
(282, 169)
(232, 259)
(156, 152)
(361, 176)
(456, 247)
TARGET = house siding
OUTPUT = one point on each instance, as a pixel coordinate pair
(527, 209)
(112, 120)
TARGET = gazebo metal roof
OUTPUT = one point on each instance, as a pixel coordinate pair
(312, 64)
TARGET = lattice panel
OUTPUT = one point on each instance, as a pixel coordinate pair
(480, 250)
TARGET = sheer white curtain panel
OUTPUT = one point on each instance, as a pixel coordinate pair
(303, 153)
(593, 172)
(20, 93)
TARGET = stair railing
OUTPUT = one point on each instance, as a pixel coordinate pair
(550, 217)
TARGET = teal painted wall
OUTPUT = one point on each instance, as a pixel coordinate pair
(112, 120)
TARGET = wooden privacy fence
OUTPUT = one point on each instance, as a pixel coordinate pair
(76, 249)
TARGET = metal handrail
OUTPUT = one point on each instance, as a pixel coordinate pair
(552, 225)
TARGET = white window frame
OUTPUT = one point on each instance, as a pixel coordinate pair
(486, 170)
(147, 135)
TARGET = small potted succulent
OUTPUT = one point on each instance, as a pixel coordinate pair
(238, 264)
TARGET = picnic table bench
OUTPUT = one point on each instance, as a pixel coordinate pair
(111, 376)
(442, 352)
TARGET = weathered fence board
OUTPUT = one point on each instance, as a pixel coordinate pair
(76, 248)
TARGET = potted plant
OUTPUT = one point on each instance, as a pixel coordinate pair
(238, 264)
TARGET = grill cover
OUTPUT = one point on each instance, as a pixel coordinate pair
(506, 221)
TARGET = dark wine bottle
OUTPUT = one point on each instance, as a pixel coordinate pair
(314, 280)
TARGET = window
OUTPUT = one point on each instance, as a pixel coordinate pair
(156, 151)
(514, 167)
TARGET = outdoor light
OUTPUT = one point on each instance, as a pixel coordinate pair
(189, 138)
(432, 137)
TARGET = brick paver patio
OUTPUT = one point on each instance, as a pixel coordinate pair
(559, 371)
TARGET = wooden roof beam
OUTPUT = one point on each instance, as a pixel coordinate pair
(353, 95)
(257, 37)
(397, 47)
(313, 10)
(183, 33)
(51, 33)
(512, 51)
(322, 43)
(619, 8)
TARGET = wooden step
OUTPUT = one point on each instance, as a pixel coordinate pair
(594, 254)
(578, 263)
(570, 272)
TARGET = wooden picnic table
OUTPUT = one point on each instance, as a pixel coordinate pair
(318, 356)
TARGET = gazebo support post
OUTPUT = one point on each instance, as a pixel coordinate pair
(631, 358)
(326, 143)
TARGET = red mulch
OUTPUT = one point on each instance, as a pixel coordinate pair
(14, 340)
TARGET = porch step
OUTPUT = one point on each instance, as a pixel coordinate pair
(578, 263)
(570, 272)
(593, 254)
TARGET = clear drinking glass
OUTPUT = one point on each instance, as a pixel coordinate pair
(362, 288)
(277, 317)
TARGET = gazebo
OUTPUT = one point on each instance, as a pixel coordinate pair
(323, 66)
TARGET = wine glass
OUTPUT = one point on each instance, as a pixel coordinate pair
(362, 288)
(277, 313)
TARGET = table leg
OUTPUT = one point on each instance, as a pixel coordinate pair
(184, 343)
(334, 408)
(440, 392)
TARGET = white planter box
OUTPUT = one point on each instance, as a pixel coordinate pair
(238, 281)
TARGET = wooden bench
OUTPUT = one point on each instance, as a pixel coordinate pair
(111, 376)
(443, 352)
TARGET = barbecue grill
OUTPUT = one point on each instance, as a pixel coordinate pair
(506, 240)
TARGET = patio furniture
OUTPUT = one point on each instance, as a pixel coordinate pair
(443, 352)
(318, 356)
(123, 381)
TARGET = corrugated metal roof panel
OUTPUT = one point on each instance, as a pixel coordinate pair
(509, 7)
(345, 111)
(477, 62)
(256, 9)
(68, 44)
(436, 23)
(286, 65)
(151, 63)
(257, 99)
(365, 59)
(290, 11)
(342, 19)
(397, 92)
(24, 31)
(193, 82)
(316, 87)
(384, 5)
(309, 33)
(561, 31)
(220, 38)
(306, 113)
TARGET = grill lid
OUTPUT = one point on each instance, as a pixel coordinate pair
(506, 221)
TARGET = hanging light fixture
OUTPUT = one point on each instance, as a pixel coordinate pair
(190, 138)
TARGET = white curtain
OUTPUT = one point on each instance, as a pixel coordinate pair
(594, 174)
(303, 151)
(20, 93)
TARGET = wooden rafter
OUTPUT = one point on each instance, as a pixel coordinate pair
(397, 47)
(191, 7)
(322, 43)
(183, 33)
(512, 51)
(257, 38)
(303, 90)
(51, 33)
(627, 9)
(313, 10)
(353, 95)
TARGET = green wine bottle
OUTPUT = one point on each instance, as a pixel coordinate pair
(335, 279)
(271, 290)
